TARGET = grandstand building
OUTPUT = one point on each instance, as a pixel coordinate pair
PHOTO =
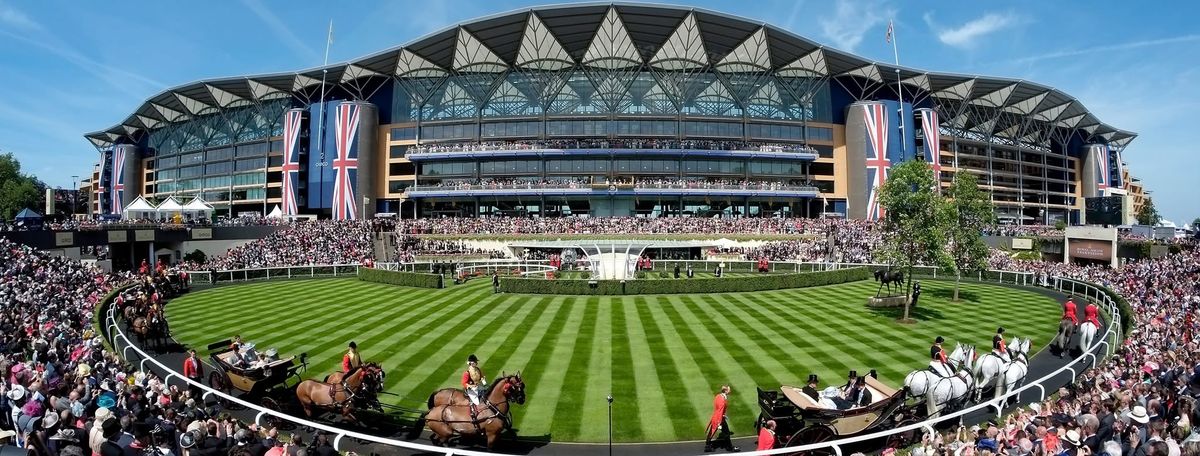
(604, 109)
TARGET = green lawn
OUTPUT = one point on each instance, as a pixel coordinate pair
(662, 357)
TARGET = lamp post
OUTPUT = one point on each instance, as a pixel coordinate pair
(610, 399)
(74, 193)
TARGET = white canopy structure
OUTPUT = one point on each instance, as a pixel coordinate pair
(139, 209)
(197, 207)
(170, 208)
(275, 213)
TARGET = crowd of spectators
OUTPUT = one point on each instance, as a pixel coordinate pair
(304, 243)
(613, 144)
(1139, 402)
(612, 225)
(409, 247)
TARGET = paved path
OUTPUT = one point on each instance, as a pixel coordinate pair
(1041, 364)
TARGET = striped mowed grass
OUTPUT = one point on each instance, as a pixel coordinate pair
(661, 356)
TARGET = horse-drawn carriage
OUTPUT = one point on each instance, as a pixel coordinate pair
(262, 383)
(802, 420)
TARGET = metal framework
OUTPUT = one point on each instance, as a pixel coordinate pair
(614, 59)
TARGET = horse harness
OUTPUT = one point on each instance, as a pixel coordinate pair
(504, 418)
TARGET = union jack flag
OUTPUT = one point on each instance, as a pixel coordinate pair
(1102, 170)
(291, 160)
(345, 166)
(118, 180)
(933, 144)
(876, 117)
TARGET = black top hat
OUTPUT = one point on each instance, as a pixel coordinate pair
(939, 340)
(1000, 330)
(353, 345)
(812, 378)
(472, 359)
(110, 428)
(861, 381)
(853, 374)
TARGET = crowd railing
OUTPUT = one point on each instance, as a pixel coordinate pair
(532, 185)
(312, 271)
(1108, 342)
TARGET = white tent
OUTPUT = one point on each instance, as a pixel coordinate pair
(139, 209)
(197, 207)
(169, 209)
(275, 213)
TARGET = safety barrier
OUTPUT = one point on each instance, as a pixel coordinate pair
(311, 271)
(1109, 342)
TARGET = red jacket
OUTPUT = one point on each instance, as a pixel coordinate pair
(766, 439)
(719, 404)
(346, 362)
(192, 368)
(1092, 313)
(1070, 312)
(466, 380)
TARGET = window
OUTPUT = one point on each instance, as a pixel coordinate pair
(820, 134)
(168, 162)
(577, 128)
(249, 179)
(220, 154)
(400, 169)
(438, 132)
(192, 158)
(253, 150)
(511, 129)
(191, 171)
(403, 133)
(397, 151)
(712, 129)
(398, 186)
(645, 127)
(275, 160)
(277, 145)
(218, 168)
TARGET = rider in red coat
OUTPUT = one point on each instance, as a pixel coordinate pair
(1070, 312)
(766, 436)
(1092, 313)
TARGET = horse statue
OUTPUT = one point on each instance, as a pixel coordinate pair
(360, 388)
(491, 419)
(991, 369)
(939, 390)
(887, 277)
(1087, 334)
(1062, 341)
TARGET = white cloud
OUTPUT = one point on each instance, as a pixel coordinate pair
(965, 36)
(283, 31)
(1109, 48)
(851, 21)
(16, 18)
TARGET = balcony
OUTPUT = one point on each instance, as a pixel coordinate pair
(652, 188)
(611, 147)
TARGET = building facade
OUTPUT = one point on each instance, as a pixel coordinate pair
(604, 110)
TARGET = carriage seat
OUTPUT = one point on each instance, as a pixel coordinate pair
(804, 401)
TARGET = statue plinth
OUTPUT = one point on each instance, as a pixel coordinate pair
(887, 301)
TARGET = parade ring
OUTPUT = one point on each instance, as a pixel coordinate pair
(661, 357)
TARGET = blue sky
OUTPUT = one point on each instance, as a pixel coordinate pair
(70, 70)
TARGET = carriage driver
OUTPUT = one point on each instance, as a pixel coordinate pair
(351, 360)
(1070, 312)
(938, 363)
(473, 381)
(999, 348)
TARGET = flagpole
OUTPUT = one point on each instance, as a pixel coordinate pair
(899, 86)
(321, 163)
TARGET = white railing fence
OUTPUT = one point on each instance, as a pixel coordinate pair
(311, 271)
(1089, 359)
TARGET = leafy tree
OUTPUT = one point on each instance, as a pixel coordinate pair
(1196, 224)
(1148, 214)
(1060, 224)
(18, 191)
(971, 211)
(914, 220)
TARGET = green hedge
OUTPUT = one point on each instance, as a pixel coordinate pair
(682, 286)
(405, 279)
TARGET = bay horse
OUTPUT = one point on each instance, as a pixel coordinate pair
(887, 278)
(153, 331)
(1062, 341)
(360, 388)
(491, 419)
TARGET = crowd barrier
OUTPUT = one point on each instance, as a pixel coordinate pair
(1089, 359)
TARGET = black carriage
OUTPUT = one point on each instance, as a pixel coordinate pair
(801, 420)
(264, 384)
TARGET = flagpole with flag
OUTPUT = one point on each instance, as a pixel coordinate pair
(321, 163)
(891, 38)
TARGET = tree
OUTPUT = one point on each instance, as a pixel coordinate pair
(972, 211)
(914, 220)
(1196, 224)
(1148, 214)
(18, 191)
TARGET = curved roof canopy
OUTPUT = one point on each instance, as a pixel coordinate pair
(616, 36)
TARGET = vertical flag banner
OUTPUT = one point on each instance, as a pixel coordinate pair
(933, 143)
(117, 181)
(105, 173)
(291, 161)
(1103, 170)
(345, 165)
(878, 164)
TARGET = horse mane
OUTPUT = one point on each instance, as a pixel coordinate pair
(498, 381)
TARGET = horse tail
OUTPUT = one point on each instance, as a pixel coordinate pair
(429, 403)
